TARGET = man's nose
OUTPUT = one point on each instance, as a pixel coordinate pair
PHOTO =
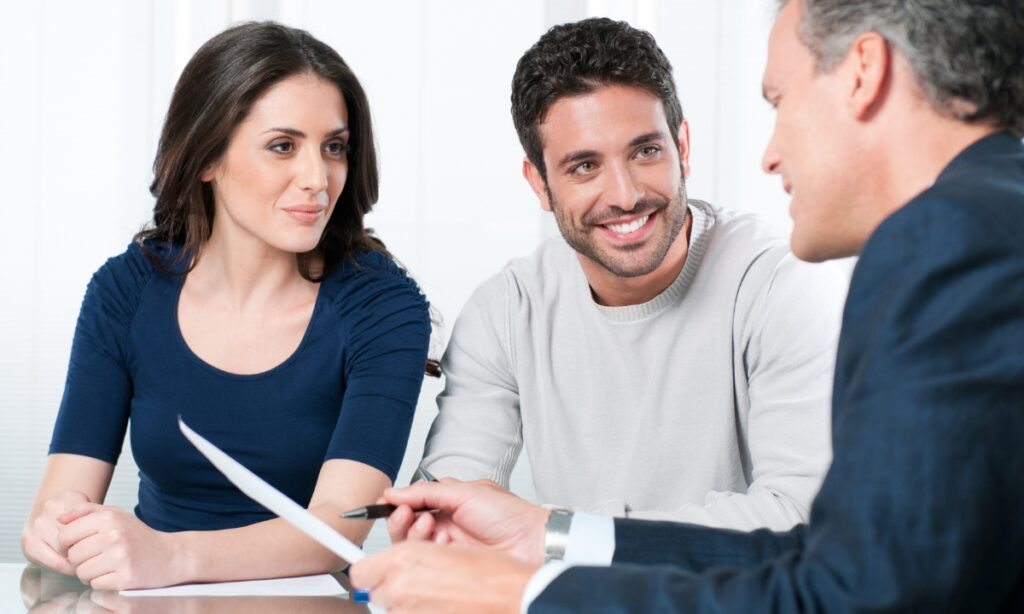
(622, 189)
(770, 160)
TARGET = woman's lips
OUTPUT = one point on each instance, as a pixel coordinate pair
(305, 213)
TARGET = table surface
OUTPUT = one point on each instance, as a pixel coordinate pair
(28, 588)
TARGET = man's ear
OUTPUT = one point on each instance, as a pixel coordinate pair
(870, 61)
(537, 183)
(683, 136)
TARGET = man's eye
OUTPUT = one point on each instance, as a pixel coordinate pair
(648, 151)
(282, 147)
(582, 168)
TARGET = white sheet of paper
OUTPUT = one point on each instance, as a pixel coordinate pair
(273, 499)
(323, 585)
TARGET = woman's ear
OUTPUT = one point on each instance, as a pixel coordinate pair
(209, 173)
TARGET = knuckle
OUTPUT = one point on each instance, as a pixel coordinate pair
(407, 554)
(401, 558)
(398, 593)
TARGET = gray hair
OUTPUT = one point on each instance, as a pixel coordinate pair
(967, 55)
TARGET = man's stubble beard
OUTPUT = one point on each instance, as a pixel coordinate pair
(581, 238)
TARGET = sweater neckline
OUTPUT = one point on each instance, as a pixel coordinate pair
(700, 232)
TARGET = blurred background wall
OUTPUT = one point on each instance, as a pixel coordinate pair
(85, 86)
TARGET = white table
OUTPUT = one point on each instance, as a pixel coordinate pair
(32, 589)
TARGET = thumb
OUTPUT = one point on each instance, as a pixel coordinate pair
(370, 571)
(77, 511)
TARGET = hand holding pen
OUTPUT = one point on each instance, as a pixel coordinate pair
(381, 510)
(480, 513)
(384, 510)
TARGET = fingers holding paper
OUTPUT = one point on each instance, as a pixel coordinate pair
(112, 549)
(426, 577)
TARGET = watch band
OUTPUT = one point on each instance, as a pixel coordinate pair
(556, 533)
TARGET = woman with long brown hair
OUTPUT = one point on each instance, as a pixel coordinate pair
(257, 307)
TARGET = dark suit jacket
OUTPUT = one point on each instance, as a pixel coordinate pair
(923, 507)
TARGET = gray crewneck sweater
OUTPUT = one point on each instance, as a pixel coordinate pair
(708, 404)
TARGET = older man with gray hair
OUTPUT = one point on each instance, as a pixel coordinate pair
(898, 133)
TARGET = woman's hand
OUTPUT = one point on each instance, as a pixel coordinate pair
(110, 548)
(40, 539)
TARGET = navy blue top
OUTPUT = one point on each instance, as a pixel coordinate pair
(349, 390)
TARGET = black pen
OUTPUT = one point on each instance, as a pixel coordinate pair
(373, 512)
(383, 510)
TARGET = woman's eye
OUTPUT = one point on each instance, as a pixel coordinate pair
(281, 147)
(337, 148)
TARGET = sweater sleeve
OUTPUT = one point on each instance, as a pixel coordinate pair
(94, 410)
(788, 316)
(387, 323)
(478, 431)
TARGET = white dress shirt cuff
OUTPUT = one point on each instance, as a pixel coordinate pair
(591, 542)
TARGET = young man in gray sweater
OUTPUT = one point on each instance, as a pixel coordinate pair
(667, 359)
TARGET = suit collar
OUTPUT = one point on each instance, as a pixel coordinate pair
(997, 144)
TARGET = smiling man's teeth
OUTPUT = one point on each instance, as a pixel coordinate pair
(624, 229)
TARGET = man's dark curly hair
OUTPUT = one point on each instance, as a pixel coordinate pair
(578, 58)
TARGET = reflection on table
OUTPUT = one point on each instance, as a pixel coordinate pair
(47, 592)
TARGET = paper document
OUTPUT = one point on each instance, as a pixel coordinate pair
(323, 585)
(272, 499)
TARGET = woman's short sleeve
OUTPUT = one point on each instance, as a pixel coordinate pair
(98, 390)
(386, 320)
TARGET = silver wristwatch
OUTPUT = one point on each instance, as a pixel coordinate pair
(556, 533)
